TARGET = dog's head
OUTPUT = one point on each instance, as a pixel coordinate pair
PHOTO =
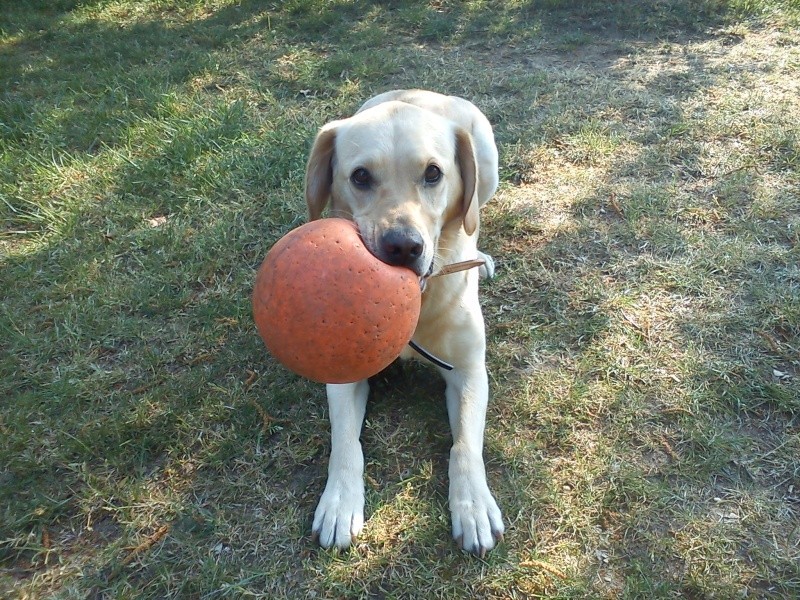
(402, 174)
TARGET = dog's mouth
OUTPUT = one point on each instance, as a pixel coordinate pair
(423, 280)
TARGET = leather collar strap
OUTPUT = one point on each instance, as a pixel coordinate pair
(445, 270)
(460, 266)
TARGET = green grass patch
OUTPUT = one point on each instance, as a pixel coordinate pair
(644, 346)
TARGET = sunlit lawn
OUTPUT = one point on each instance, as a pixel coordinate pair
(644, 326)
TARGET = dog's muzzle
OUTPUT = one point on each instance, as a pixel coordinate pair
(402, 247)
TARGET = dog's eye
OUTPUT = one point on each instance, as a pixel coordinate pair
(361, 178)
(432, 174)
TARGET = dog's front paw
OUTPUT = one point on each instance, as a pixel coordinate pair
(339, 517)
(477, 522)
(487, 269)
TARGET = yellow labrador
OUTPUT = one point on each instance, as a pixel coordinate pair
(411, 168)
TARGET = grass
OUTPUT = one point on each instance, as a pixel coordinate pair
(644, 327)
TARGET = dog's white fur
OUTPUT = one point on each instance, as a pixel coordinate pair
(395, 138)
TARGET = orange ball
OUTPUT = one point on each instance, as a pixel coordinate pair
(330, 311)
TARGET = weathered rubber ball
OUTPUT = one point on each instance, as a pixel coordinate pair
(330, 311)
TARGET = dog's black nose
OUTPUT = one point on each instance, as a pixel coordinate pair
(401, 246)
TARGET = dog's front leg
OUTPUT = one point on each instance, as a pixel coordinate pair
(339, 517)
(477, 522)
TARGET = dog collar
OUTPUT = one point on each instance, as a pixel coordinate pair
(460, 266)
(445, 270)
(451, 268)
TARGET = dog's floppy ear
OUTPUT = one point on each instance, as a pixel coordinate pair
(319, 171)
(468, 164)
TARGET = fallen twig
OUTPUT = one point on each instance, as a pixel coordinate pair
(266, 419)
(148, 543)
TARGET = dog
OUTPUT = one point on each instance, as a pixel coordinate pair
(412, 168)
